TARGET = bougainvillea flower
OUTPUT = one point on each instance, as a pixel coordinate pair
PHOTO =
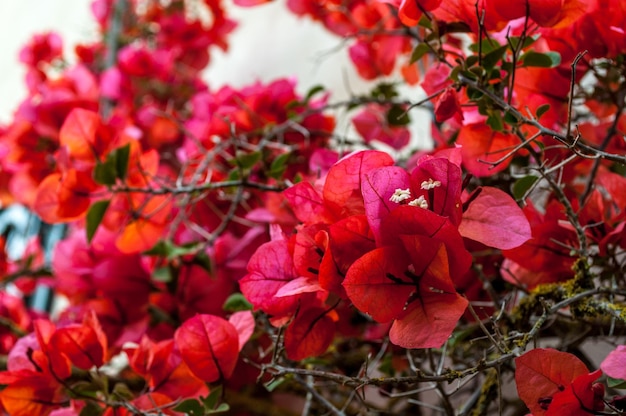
(348, 239)
(481, 147)
(371, 123)
(545, 13)
(448, 106)
(209, 345)
(426, 307)
(64, 197)
(614, 365)
(270, 268)
(85, 345)
(494, 219)
(309, 334)
(410, 11)
(541, 256)
(42, 48)
(554, 383)
(579, 398)
(342, 189)
(165, 371)
(434, 185)
(29, 393)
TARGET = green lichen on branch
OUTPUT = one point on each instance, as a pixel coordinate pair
(534, 303)
(488, 393)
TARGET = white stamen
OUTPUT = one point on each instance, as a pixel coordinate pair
(400, 195)
(419, 202)
(430, 184)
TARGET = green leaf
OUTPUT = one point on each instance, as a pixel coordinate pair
(420, 50)
(490, 60)
(210, 402)
(384, 90)
(541, 60)
(542, 109)
(478, 71)
(114, 167)
(85, 389)
(105, 173)
(523, 185)
(454, 74)
(234, 175)
(615, 383)
(487, 45)
(470, 61)
(94, 217)
(494, 120)
(121, 160)
(278, 166)
(510, 119)
(165, 248)
(528, 40)
(425, 22)
(237, 302)
(474, 94)
(314, 90)
(397, 116)
(470, 75)
(223, 407)
(273, 384)
(121, 390)
(91, 409)
(162, 274)
(192, 407)
(203, 260)
(246, 160)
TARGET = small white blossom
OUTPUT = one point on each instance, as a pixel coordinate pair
(400, 195)
(430, 184)
(419, 202)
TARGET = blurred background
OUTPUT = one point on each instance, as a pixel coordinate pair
(270, 42)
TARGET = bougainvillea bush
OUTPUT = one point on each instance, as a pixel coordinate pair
(231, 250)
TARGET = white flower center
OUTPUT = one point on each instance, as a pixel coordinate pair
(419, 202)
(430, 184)
(400, 195)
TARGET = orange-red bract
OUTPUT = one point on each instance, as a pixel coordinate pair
(342, 190)
(85, 345)
(410, 11)
(425, 306)
(448, 106)
(209, 345)
(149, 216)
(481, 146)
(164, 370)
(542, 373)
(349, 239)
(30, 394)
(64, 197)
(377, 277)
(309, 334)
(82, 134)
(581, 398)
